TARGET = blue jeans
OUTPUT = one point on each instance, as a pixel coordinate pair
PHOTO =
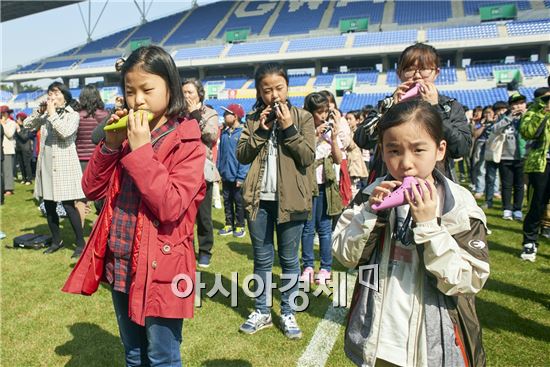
(288, 241)
(321, 222)
(155, 344)
(490, 181)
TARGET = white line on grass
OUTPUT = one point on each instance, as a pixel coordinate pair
(324, 337)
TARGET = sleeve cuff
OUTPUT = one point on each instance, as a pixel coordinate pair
(108, 151)
(289, 132)
(428, 225)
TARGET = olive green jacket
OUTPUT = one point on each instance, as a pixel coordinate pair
(296, 154)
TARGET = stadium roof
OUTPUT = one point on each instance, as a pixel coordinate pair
(16, 9)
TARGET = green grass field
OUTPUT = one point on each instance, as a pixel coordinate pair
(43, 327)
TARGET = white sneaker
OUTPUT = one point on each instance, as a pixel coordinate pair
(290, 327)
(256, 321)
(507, 215)
(529, 252)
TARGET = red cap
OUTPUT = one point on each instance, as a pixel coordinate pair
(235, 109)
(5, 109)
(21, 115)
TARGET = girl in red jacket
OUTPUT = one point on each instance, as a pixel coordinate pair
(151, 177)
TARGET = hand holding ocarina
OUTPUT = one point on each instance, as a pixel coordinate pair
(397, 197)
(411, 93)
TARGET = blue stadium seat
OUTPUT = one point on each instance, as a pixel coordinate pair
(318, 43)
(5, 96)
(28, 68)
(104, 43)
(254, 15)
(415, 12)
(367, 77)
(198, 52)
(528, 27)
(471, 7)
(324, 80)
(357, 9)
(200, 23)
(269, 47)
(58, 65)
(230, 82)
(485, 71)
(470, 98)
(29, 96)
(356, 101)
(299, 17)
(458, 33)
(367, 39)
(96, 62)
(298, 80)
(527, 92)
(157, 29)
(75, 92)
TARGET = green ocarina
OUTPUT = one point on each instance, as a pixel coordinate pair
(123, 122)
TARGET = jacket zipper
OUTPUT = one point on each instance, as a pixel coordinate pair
(459, 343)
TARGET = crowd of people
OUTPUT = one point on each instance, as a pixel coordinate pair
(300, 174)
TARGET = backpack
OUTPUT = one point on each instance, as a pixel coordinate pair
(32, 241)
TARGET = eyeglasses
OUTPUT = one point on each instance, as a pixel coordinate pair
(424, 73)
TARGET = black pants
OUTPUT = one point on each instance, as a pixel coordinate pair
(53, 221)
(511, 177)
(205, 228)
(24, 158)
(233, 204)
(539, 193)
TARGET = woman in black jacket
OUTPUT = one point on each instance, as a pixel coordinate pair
(23, 148)
(419, 65)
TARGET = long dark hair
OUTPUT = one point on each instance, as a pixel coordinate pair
(155, 60)
(264, 70)
(90, 100)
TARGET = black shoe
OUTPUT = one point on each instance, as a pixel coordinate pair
(77, 252)
(53, 248)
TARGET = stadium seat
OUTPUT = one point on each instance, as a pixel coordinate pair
(104, 43)
(357, 9)
(198, 52)
(317, 43)
(299, 17)
(252, 15)
(415, 12)
(200, 23)
(156, 30)
(458, 33)
(96, 62)
(241, 49)
(366, 39)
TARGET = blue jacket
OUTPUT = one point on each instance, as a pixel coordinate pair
(229, 167)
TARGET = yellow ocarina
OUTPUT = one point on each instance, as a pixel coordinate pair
(123, 122)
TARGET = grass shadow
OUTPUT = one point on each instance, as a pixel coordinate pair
(496, 317)
(91, 346)
(518, 292)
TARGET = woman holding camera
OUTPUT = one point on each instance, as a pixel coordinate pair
(58, 172)
(279, 144)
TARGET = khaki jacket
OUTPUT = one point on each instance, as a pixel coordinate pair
(296, 154)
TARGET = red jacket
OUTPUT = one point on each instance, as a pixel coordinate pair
(172, 186)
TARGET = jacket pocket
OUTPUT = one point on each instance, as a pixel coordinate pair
(171, 261)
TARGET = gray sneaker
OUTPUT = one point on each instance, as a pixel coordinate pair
(256, 321)
(529, 252)
(290, 327)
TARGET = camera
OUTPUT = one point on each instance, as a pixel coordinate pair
(273, 114)
(329, 127)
